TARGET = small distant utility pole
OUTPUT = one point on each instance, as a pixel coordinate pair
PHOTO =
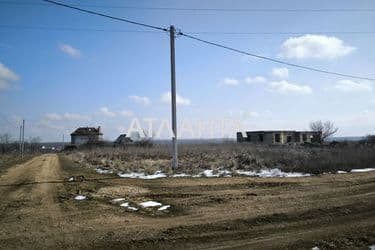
(172, 33)
(20, 140)
(23, 138)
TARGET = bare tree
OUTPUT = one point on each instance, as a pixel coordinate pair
(5, 138)
(326, 128)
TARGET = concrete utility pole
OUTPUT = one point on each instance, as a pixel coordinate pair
(23, 138)
(20, 140)
(172, 33)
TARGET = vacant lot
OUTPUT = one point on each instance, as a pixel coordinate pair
(193, 158)
(39, 211)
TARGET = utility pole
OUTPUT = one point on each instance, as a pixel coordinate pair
(23, 138)
(63, 144)
(172, 33)
(20, 140)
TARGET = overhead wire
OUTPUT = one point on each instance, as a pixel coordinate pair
(58, 28)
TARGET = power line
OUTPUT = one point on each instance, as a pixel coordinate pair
(107, 16)
(77, 29)
(280, 32)
(27, 27)
(204, 9)
(274, 60)
(6, 119)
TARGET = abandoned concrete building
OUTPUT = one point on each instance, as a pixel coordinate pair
(86, 135)
(279, 137)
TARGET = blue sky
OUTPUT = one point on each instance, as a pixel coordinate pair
(58, 79)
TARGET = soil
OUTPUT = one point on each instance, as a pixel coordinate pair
(38, 210)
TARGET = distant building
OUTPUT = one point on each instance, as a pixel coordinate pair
(279, 137)
(86, 135)
(123, 140)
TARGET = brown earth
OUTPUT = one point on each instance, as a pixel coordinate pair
(38, 210)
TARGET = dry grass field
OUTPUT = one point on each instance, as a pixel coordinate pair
(194, 158)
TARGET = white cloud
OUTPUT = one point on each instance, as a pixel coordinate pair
(166, 98)
(66, 117)
(255, 80)
(229, 82)
(53, 117)
(285, 87)
(140, 99)
(353, 86)
(76, 117)
(314, 46)
(281, 73)
(105, 111)
(126, 113)
(70, 50)
(6, 76)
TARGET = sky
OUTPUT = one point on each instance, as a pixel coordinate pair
(61, 69)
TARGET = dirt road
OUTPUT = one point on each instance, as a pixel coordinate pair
(37, 211)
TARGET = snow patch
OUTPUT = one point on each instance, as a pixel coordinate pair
(315, 248)
(134, 175)
(275, 172)
(363, 170)
(132, 208)
(164, 207)
(150, 204)
(80, 197)
(126, 205)
(102, 170)
(210, 173)
(372, 247)
(117, 200)
(181, 175)
(342, 172)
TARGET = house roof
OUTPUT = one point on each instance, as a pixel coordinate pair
(87, 131)
(123, 139)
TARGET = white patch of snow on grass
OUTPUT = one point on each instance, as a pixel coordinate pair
(80, 197)
(363, 170)
(181, 175)
(71, 179)
(150, 204)
(315, 248)
(219, 173)
(267, 173)
(210, 173)
(117, 200)
(372, 247)
(164, 207)
(102, 170)
(158, 174)
(342, 172)
(126, 205)
(132, 208)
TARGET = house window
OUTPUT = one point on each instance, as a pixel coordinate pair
(260, 137)
(304, 137)
(277, 138)
(289, 138)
